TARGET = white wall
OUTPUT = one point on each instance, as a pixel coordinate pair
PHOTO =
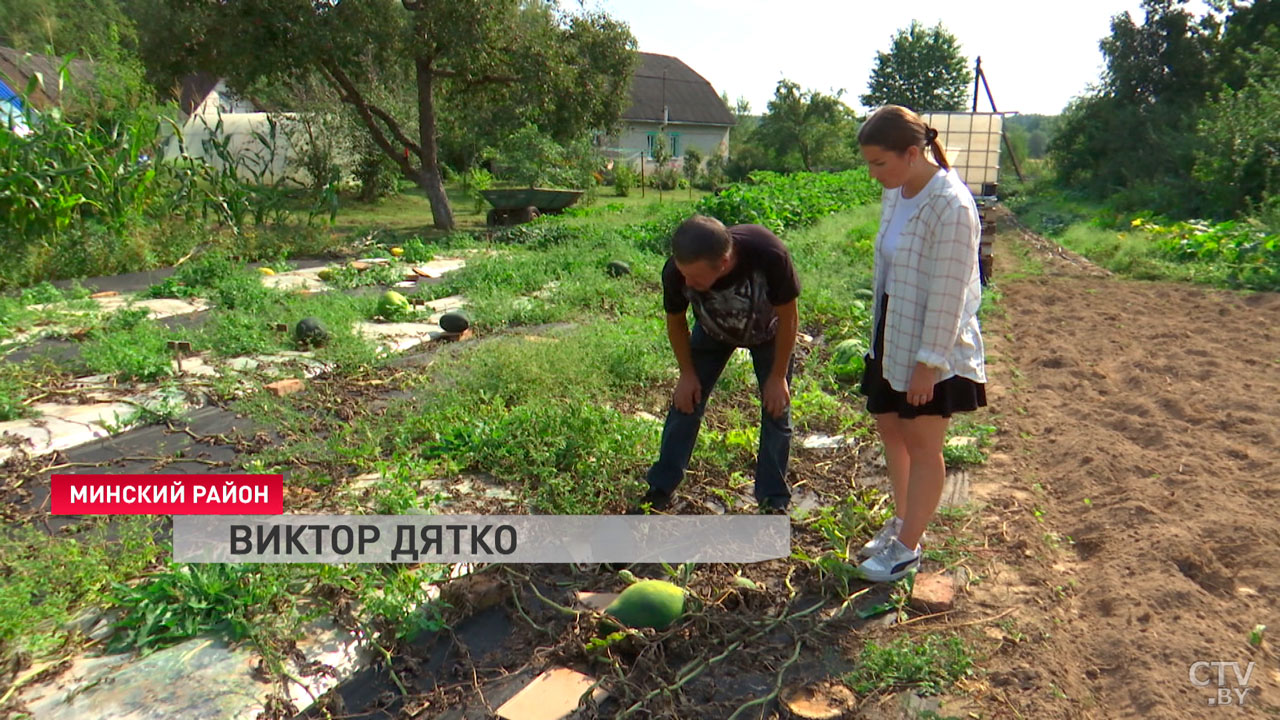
(222, 117)
(708, 140)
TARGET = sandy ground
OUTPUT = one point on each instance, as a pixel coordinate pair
(1132, 504)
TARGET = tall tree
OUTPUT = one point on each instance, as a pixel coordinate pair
(65, 27)
(923, 70)
(566, 72)
(807, 126)
(1238, 153)
(1248, 27)
(1135, 129)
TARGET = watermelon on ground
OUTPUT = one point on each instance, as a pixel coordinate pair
(648, 603)
(454, 322)
(310, 332)
(848, 360)
(847, 350)
(394, 306)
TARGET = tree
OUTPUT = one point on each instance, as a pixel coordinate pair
(692, 166)
(923, 70)
(661, 156)
(1248, 27)
(67, 27)
(1039, 131)
(807, 129)
(1238, 153)
(1134, 132)
(514, 61)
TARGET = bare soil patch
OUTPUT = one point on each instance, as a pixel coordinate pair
(1133, 500)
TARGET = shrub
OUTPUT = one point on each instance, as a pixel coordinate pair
(783, 202)
(624, 179)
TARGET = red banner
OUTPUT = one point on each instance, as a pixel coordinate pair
(167, 494)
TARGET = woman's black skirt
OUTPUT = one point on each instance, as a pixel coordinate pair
(953, 395)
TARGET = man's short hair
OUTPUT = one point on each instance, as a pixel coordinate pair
(700, 238)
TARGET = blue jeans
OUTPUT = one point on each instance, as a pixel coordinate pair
(680, 433)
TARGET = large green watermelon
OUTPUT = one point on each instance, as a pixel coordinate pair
(846, 350)
(848, 360)
(310, 332)
(648, 603)
(394, 306)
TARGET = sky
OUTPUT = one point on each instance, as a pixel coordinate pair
(1036, 54)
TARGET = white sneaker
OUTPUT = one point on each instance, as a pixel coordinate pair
(887, 533)
(892, 563)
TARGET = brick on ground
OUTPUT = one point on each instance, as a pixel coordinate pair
(933, 592)
(288, 386)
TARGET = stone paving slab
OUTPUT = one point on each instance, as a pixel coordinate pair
(195, 680)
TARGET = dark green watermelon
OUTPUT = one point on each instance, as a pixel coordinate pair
(310, 332)
(454, 322)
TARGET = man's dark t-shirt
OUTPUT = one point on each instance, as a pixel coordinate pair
(739, 308)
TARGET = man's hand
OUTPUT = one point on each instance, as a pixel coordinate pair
(777, 395)
(688, 393)
(923, 378)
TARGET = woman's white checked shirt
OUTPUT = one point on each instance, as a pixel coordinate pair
(933, 286)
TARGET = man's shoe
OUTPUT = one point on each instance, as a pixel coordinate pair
(774, 505)
(656, 499)
(892, 563)
(887, 534)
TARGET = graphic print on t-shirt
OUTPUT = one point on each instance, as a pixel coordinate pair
(740, 314)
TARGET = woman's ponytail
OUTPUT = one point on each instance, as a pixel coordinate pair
(935, 148)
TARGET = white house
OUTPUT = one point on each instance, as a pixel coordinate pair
(255, 141)
(669, 99)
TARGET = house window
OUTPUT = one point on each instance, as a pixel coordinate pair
(653, 142)
(675, 144)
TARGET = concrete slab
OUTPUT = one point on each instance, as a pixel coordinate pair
(553, 695)
(955, 488)
(303, 279)
(199, 678)
(158, 307)
(820, 441)
(61, 427)
(438, 268)
(398, 337)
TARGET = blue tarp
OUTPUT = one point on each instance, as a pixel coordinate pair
(7, 94)
(12, 114)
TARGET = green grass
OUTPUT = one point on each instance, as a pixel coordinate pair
(1131, 254)
(409, 213)
(541, 416)
(844, 526)
(1242, 254)
(259, 602)
(960, 455)
(22, 384)
(928, 665)
(138, 352)
(49, 579)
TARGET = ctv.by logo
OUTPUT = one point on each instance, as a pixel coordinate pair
(1202, 675)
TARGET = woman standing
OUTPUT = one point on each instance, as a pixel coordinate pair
(927, 359)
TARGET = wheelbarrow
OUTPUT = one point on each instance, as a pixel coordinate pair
(520, 205)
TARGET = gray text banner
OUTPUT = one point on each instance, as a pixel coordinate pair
(336, 539)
